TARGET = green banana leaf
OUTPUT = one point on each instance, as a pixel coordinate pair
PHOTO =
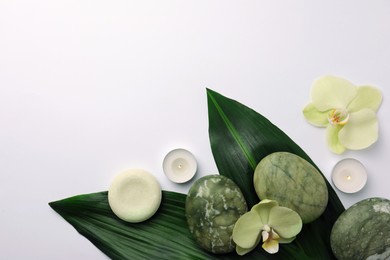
(239, 139)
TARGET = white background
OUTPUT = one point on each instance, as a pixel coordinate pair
(91, 88)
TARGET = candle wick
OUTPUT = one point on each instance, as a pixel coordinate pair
(349, 177)
(179, 166)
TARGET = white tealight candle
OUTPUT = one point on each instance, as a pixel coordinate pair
(179, 165)
(349, 175)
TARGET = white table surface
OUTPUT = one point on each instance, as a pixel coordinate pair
(91, 88)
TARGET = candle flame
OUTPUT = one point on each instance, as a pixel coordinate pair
(349, 177)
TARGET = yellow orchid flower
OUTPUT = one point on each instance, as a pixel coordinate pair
(347, 111)
(269, 221)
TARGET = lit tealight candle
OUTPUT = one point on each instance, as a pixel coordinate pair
(349, 175)
(179, 165)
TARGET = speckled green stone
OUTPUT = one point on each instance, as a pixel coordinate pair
(293, 182)
(363, 231)
(214, 204)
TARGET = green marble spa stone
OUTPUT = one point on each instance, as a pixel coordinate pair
(363, 231)
(293, 182)
(213, 205)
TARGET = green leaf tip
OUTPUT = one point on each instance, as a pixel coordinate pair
(213, 98)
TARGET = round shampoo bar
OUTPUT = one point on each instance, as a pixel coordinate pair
(134, 195)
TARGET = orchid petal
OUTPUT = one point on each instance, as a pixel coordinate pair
(242, 251)
(263, 209)
(314, 116)
(331, 92)
(367, 97)
(361, 130)
(246, 231)
(286, 222)
(332, 138)
(271, 246)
